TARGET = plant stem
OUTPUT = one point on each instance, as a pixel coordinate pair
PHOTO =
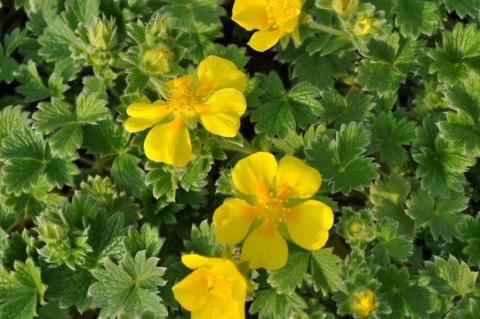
(327, 29)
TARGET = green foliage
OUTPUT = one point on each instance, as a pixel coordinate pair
(342, 161)
(382, 97)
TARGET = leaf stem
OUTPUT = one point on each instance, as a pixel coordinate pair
(327, 29)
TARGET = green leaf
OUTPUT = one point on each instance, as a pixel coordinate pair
(461, 129)
(459, 54)
(468, 232)
(280, 111)
(11, 119)
(80, 11)
(56, 40)
(27, 158)
(202, 240)
(129, 288)
(20, 291)
(147, 239)
(286, 279)
(417, 17)
(269, 304)
(341, 161)
(32, 86)
(389, 135)
(339, 110)
(438, 213)
(397, 246)
(197, 13)
(472, 311)
(388, 197)
(463, 7)
(105, 138)
(404, 295)
(69, 287)
(325, 270)
(440, 167)
(127, 175)
(451, 277)
(58, 117)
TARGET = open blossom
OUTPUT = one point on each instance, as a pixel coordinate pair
(274, 19)
(215, 289)
(213, 94)
(272, 196)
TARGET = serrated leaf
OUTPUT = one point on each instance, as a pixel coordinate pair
(290, 276)
(340, 110)
(456, 58)
(417, 17)
(325, 270)
(438, 213)
(341, 161)
(388, 197)
(397, 246)
(440, 166)
(127, 175)
(451, 277)
(27, 158)
(461, 127)
(268, 304)
(147, 239)
(129, 288)
(280, 111)
(389, 135)
(463, 7)
(20, 291)
(11, 119)
(32, 86)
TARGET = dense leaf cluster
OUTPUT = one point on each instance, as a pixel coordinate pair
(390, 117)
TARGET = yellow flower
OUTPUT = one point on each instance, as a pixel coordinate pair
(213, 94)
(273, 19)
(364, 303)
(344, 7)
(273, 196)
(363, 26)
(215, 289)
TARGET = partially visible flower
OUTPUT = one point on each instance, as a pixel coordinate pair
(213, 94)
(364, 303)
(215, 289)
(272, 196)
(344, 7)
(363, 26)
(274, 19)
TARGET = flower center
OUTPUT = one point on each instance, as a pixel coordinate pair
(279, 12)
(273, 208)
(182, 97)
(219, 286)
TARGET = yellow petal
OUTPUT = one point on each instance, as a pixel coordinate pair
(192, 291)
(250, 14)
(169, 143)
(144, 115)
(215, 73)
(295, 179)
(221, 113)
(308, 224)
(263, 40)
(232, 221)
(194, 261)
(254, 174)
(265, 248)
(215, 308)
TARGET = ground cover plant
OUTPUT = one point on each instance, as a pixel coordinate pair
(267, 159)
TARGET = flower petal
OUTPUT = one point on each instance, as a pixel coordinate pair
(194, 261)
(308, 224)
(232, 221)
(169, 143)
(192, 291)
(215, 308)
(145, 115)
(263, 40)
(250, 14)
(265, 248)
(215, 73)
(295, 179)
(221, 113)
(254, 174)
